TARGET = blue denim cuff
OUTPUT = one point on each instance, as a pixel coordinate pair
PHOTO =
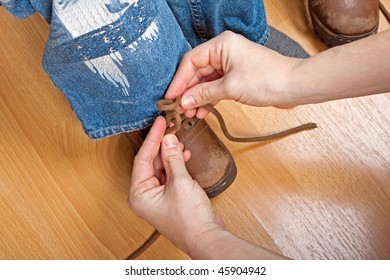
(19, 8)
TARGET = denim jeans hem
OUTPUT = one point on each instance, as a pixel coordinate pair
(114, 130)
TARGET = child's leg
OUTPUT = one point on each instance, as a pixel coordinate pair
(202, 20)
(113, 59)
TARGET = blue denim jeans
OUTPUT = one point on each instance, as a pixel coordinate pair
(114, 59)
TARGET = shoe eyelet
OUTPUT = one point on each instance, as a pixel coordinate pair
(188, 124)
(191, 122)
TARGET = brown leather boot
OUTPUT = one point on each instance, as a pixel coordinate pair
(211, 164)
(337, 22)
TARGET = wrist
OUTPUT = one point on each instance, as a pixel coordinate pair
(203, 244)
(286, 87)
(302, 88)
(301, 85)
(219, 244)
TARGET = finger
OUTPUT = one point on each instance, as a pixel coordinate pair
(197, 58)
(207, 73)
(159, 171)
(204, 93)
(190, 113)
(212, 77)
(158, 164)
(186, 155)
(143, 168)
(202, 113)
(181, 146)
(173, 158)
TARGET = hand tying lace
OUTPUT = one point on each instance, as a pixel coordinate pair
(172, 116)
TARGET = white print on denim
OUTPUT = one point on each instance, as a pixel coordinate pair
(80, 17)
(149, 34)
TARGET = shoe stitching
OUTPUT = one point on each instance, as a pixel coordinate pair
(193, 136)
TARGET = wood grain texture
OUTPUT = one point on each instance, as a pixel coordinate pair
(321, 194)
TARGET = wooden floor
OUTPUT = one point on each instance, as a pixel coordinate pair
(323, 194)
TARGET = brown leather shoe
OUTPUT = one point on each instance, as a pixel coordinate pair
(211, 164)
(337, 22)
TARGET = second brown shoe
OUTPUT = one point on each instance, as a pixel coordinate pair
(337, 22)
(211, 164)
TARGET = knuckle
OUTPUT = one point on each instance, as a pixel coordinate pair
(136, 197)
(173, 157)
(229, 36)
(181, 183)
(204, 94)
(186, 56)
(227, 33)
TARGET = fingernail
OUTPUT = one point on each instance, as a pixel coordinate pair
(170, 141)
(188, 101)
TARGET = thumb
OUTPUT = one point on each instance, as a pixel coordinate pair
(172, 157)
(204, 93)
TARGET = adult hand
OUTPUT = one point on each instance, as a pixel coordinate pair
(231, 67)
(164, 194)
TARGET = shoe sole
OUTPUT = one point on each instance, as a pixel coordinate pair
(327, 36)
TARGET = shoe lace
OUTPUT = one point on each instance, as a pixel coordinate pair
(172, 116)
